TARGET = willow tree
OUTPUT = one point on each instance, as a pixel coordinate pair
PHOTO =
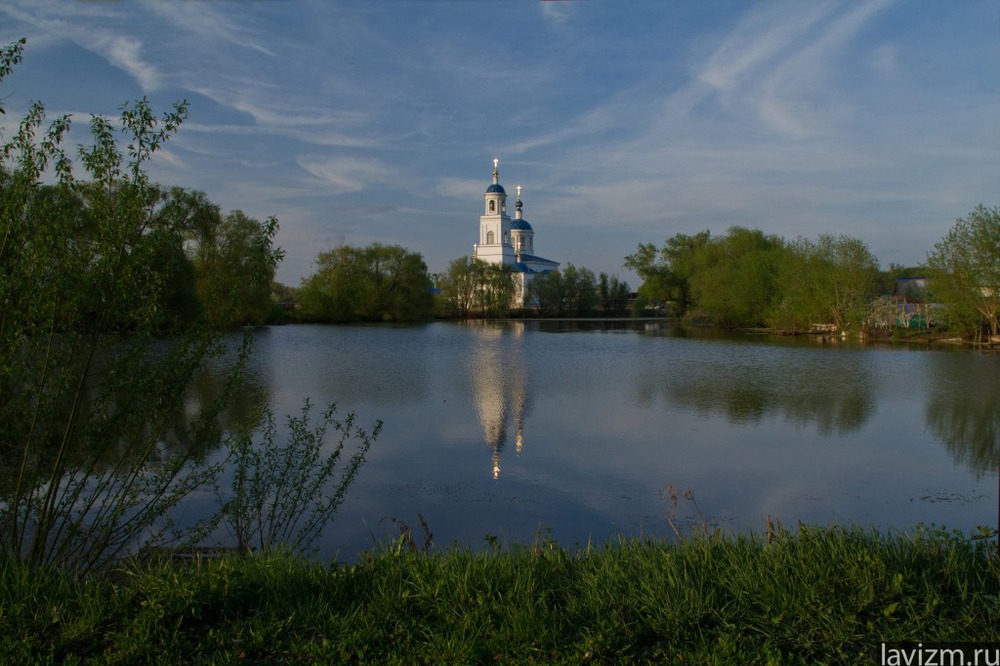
(373, 283)
(733, 279)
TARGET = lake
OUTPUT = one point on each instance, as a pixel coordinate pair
(574, 430)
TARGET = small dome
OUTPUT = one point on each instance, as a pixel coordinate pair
(496, 187)
(521, 224)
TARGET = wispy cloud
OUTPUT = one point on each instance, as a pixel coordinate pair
(465, 188)
(759, 38)
(776, 64)
(93, 27)
(126, 54)
(885, 60)
(204, 21)
(345, 174)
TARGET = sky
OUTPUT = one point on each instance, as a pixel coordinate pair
(362, 121)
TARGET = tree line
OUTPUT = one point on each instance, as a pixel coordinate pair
(390, 283)
(747, 278)
(472, 288)
(741, 278)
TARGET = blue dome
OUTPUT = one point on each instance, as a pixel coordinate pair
(496, 187)
(521, 224)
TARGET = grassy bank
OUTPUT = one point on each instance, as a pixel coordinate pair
(821, 594)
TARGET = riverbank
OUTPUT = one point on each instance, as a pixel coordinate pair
(820, 595)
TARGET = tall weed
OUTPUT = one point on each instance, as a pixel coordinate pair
(283, 495)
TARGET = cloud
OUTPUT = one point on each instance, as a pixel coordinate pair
(463, 188)
(345, 174)
(779, 66)
(755, 41)
(884, 60)
(201, 20)
(126, 54)
(555, 11)
(93, 27)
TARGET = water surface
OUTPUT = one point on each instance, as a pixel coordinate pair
(573, 431)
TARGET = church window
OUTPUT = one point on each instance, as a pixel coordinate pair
(493, 206)
(489, 236)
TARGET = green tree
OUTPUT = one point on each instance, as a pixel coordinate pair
(191, 218)
(580, 288)
(235, 264)
(733, 277)
(231, 258)
(374, 283)
(830, 281)
(657, 286)
(613, 293)
(667, 272)
(547, 292)
(966, 271)
(84, 408)
(495, 288)
(458, 287)
(849, 279)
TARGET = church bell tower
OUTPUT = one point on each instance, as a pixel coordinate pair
(495, 244)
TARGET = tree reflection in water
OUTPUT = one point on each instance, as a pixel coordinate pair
(834, 391)
(966, 421)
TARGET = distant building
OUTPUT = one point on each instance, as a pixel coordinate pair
(911, 288)
(509, 242)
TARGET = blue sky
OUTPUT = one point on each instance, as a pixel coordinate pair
(378, 121)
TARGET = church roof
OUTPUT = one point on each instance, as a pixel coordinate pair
(521, 224)
(538, 263)
(496, 187)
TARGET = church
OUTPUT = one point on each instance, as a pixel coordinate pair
(509, 242)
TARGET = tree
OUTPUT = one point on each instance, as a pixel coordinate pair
(10, 56)
(966, 270)
(830, 281)
(494, 290)
(667, 272)
(374, 283)
(232, 257)
(458, 287)
(848, 279)
(614, 294)
(85, 409)
(235, 264)
(547, 292)
(733, 277)
(580, 289)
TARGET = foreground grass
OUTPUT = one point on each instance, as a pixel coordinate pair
(821, 595)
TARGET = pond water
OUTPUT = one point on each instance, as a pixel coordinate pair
(574, 430)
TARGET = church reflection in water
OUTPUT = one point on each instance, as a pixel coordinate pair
(498, 373)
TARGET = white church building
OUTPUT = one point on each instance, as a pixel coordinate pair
(509, 242)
